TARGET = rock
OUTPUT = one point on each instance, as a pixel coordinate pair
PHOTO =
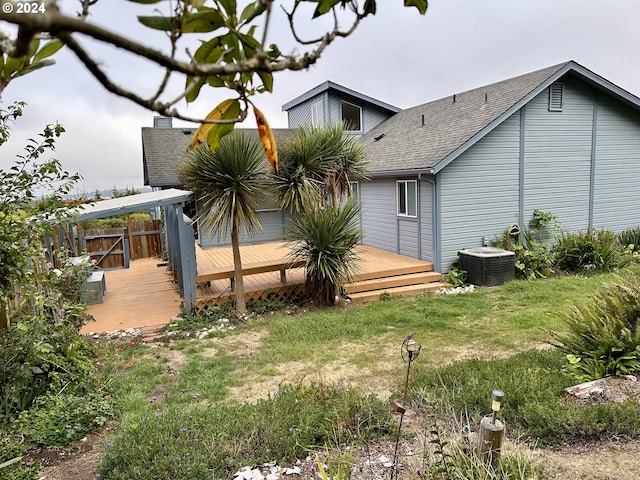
(292, 471)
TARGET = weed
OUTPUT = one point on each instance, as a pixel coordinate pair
(590, 251)
(630, 238)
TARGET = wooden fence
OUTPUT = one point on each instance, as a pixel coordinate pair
(112, 247)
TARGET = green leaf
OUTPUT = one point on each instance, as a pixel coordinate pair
(229, 6)
(324, 6)
(215, 81)
(10, 462)
(370, 7)
(252, 11)
(48, 49)
(204, 21)
(193, 94)
(11, 65)
(36, 66)
(267, 80)
(160, 23)
(218, 131)
(421, 5)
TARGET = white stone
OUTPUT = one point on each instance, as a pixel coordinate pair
(292, 471)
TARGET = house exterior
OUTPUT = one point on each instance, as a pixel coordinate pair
(164, 147)
(456, 172)
(331, 103)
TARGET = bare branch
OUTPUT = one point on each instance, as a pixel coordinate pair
(161, 108)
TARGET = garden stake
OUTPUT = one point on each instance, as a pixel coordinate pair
(408, 352)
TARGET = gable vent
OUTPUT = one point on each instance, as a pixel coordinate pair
(556, 97)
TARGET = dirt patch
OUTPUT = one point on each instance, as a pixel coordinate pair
(77, 462)
(246, 344)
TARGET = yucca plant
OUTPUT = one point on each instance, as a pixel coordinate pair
(326, 238)
(603, 337)
(228, 182)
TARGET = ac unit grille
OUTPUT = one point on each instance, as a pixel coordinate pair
(488, 266)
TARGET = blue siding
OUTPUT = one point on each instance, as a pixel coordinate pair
(371, 115)
(557, 156)
(426, 221)
(480, 191)
(378, 200)
(273, 230)
(617, 172)
(301, 114)
(408, 237)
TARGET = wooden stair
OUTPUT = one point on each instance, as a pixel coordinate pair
(403, 281)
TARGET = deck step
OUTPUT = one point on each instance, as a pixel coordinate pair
(392, 282)
(409, 290)
(406, 270)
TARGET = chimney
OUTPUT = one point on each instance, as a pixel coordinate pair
(162, 122)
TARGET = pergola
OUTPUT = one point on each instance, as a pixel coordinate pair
(178, 227)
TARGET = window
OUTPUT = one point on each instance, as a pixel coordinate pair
(556, 97)
(351, 117)
(317, 114)
(407, 198)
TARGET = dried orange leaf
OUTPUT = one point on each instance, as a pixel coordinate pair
(267, 139)
(220, 112)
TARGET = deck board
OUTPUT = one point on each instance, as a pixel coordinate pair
(145, 295)
(140, 296)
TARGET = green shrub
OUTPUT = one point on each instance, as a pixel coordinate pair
(214, 442)
(603, 336)
(532, 247)
(593, 250)
(117, 221)
(58, 420)
(535, 405)
(10, 450)
(630, 238)
(456, 277)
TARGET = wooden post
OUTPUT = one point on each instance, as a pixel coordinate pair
(490, 439)
(131, 244)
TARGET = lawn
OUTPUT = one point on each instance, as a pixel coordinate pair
(347, 360)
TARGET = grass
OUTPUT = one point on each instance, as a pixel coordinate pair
(241, 374)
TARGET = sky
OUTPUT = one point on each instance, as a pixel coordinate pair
(397, 56)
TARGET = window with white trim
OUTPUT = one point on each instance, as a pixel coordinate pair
(317, 114)
(351, 117)
(407, 198)
(556, 97)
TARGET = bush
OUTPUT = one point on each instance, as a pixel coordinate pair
(61, 419)
(630, 238)
(117, 221)
(535, 404)
(603, 336)
(10, 450)
(593, 250)
(215, 442)
(533, 256)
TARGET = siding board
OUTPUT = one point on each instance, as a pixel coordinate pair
(378, 201)
(616, 197)
(557, 156)
(480, 191)
(426, 220)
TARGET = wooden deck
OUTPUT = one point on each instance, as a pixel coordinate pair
(144, 295)
(373, 264)
(140, 296)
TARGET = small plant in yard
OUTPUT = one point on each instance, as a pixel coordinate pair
(204, 442)
(603, 336)
(456, 277)
(630, 238)
(337, 466)
(590, 251)
(532, 247)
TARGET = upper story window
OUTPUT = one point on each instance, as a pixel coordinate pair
(407, 193)
(556, 97)
(317, 114)
(351, 117)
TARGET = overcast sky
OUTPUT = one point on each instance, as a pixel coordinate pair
(398, 57)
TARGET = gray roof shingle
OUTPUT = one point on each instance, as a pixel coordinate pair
(164, 148)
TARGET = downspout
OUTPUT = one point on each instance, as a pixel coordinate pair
(435, 221)
(592, 175)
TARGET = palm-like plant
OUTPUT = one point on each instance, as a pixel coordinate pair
(228, 183)
(316, 163)
(326, 238)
